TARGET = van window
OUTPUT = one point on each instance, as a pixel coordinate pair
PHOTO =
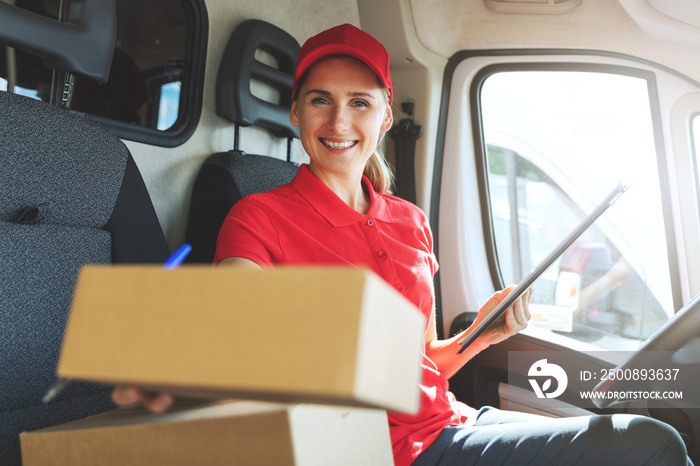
(153, 93)
(556, 142)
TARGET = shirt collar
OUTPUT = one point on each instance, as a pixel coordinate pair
(331, 207)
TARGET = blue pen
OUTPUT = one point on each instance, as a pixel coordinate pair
(177, 258)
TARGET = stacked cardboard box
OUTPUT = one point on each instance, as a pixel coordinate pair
(245, 433)
(331, 336)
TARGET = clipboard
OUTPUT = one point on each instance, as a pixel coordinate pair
(526, 282)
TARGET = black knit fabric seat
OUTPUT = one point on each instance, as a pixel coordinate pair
(70, 194)
(226, 177)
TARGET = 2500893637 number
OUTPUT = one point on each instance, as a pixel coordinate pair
(639, 374)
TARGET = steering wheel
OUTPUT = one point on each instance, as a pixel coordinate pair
(675, 345)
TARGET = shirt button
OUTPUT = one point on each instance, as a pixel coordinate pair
(381, 254)
(370, 222)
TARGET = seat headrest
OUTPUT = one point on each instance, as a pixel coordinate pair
(57, 167)
(234, 99)
(83, 44)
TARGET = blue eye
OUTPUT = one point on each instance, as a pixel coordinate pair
(360, 103)
(319, 100)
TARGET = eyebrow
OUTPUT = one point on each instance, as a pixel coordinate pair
(352, 94)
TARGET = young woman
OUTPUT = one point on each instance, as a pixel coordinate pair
(337, 211)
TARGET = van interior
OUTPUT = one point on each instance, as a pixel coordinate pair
(129, 128)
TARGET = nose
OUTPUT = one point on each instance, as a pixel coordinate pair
(338, 119)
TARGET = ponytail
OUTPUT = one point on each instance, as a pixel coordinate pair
(379, 173)
(377, 169)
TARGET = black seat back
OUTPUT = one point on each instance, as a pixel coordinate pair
(228, 176)
(70, 195)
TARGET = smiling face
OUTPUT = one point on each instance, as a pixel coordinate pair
(340, 110)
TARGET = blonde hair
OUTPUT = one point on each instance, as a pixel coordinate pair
(379, 173)
(377, 169)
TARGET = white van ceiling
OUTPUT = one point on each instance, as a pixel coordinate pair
(687, 11)
(632, 27)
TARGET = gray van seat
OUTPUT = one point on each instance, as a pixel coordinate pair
(226, 177)
(70, 194)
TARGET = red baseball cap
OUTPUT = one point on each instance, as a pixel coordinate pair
(348, 40)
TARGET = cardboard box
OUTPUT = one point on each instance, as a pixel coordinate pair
(314, 334)
(231, 433)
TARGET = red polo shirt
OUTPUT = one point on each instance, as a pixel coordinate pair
(304, 222)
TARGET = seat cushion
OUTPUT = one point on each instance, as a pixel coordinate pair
(40, 264)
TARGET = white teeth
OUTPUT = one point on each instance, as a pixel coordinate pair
(339, 145)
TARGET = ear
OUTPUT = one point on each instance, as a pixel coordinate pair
(388, 119)
(293, 117)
